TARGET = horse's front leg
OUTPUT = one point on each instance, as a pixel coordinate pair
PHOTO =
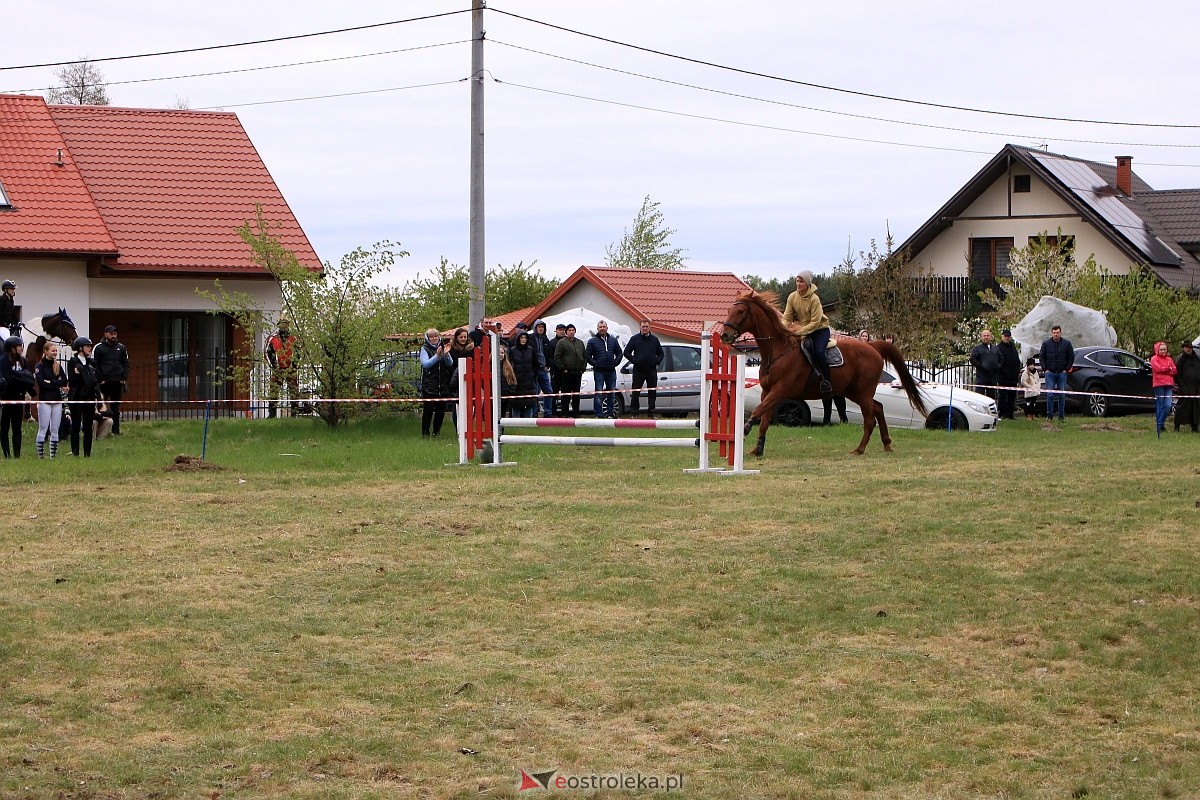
(763, 415)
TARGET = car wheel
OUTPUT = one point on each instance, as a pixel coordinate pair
(936, 421)
(620, 405)
(1096, 402)
(793, 414)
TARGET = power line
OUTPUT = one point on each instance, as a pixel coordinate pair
(252, 69)
(826, 110)
(241, 44)
(331, 96)
(840, 90)
(743, 124)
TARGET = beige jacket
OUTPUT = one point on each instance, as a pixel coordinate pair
(804, 313)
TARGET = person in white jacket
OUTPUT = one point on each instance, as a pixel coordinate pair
(1031, 383)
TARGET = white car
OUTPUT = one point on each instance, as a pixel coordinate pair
(678, 383)
(967, 410)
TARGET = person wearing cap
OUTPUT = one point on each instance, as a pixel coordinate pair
(1187, 406)
(112, 363)
(10, 323)
(1009, 375)
(281, 354)
(805, 315)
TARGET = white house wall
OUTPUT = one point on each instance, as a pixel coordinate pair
(44, 286)
(948, 253)
(588, 296)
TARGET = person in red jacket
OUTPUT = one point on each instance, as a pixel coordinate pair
(1162, 372)
(281, 355)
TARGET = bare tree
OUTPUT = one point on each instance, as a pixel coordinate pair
(80, 84)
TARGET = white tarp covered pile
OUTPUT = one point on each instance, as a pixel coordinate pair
(1082, 326)
(585, 324)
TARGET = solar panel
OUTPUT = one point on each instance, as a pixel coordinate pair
(1104, 200)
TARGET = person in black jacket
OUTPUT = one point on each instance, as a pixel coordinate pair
(1187, 407)
(523, 356)
(1057, 356)
(437, 367)
(83, 390)
(9, 320)
(603, 353)
(1010, 375)
(645, 352)
(51, 380)
(12, 415)
(985, 357)
(112, 364)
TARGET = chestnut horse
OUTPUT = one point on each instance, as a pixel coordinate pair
(786, 374)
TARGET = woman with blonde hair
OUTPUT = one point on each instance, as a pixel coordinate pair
(51, 379)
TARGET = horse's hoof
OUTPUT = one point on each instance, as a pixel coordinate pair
(746, 431)
(887, 448)
(758, 451)
(858, 451)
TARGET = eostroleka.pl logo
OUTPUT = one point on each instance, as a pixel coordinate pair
(552, 780)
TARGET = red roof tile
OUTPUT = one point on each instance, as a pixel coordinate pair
(52, 211)
(677, 302)
(173, 186)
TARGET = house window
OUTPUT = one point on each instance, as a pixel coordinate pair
(1065, 245)
(4, 197)
(1020, 183)
(989, 260)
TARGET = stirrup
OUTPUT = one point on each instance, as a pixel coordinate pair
(826, 386)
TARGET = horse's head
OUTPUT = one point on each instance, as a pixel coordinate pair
(748, 314)
(59, 325)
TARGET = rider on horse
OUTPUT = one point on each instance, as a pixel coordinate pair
(805, 316)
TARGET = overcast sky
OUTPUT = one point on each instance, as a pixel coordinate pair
(757, 175)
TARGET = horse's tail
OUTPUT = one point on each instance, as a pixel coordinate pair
(893, 356)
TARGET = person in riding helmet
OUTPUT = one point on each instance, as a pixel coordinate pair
(805, 316)
(9, 320)
(83, 384)
(13, 414)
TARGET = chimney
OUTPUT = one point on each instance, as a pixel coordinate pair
(1125, 175)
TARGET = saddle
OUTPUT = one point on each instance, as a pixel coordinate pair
(833, 353)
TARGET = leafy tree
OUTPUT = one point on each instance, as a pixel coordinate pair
(79, 84)
(648, 245)
(441, 300)
(1139, 306)
(339, 318)
(889, 297)
(1144, 310)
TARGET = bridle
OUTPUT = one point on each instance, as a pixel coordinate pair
(737, 331)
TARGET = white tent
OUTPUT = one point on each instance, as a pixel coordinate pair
(585, 324)
(1082, 326)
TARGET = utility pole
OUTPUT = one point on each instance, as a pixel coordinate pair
(475, 308)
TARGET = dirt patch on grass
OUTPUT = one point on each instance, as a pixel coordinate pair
(1102, 426)
(183, 463)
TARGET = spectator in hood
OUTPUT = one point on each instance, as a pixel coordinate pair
(523, 357)
(1010, 375)
(541, 343)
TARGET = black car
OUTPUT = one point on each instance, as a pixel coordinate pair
(1107, 379)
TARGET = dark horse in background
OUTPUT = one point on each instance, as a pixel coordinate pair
(786, 373)
(56, 326)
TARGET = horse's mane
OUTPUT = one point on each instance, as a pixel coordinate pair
(766, 302)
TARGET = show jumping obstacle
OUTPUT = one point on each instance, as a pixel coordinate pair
(722, 394)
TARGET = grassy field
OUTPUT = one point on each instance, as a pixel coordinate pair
(341, 615)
